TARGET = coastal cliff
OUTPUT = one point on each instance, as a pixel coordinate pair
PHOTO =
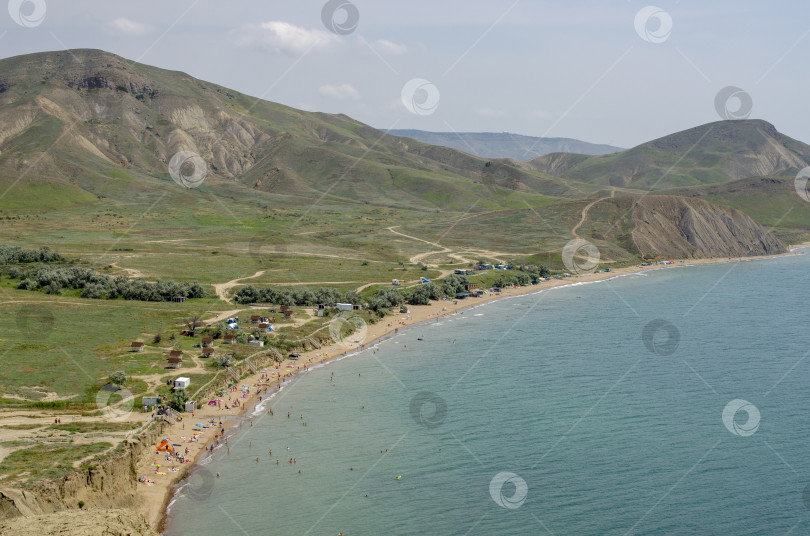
(101, 490)
(679, 227)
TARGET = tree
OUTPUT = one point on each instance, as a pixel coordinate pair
(423, 293)
(454, 284)
(179, 399)
(522, 279)
(247, 294)
(94, 291)
(27, 284)
(196, 291)
(118, 377)
(193, 322)
(218, 331)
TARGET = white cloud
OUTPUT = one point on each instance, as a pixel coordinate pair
(387, 47)
(343, 91)
(127, 27)
(284, 38)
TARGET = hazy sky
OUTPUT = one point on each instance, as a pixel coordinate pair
(607, 72)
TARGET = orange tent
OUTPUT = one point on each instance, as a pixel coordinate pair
(164, 445)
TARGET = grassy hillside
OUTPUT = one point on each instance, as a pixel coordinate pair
(709, 154)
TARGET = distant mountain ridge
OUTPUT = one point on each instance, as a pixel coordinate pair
(505, 144)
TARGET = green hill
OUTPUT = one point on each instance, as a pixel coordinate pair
(86, 138)
(80, 113)
(709, 154)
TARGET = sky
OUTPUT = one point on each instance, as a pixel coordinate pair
(620, 72)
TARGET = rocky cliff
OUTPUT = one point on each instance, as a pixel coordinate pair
(103, 489)
(673, 226)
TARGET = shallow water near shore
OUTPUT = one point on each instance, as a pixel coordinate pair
(546, 413)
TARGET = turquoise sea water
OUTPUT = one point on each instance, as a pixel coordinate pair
(554, 413)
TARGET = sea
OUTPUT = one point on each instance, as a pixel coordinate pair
(674, 401)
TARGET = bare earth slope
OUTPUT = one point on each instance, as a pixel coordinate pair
(674, 226)
(95, 522)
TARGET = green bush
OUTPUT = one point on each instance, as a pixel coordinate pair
(179, 399)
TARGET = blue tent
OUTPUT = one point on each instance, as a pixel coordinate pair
(425, 280)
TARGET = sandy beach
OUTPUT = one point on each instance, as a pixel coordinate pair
(155, 497)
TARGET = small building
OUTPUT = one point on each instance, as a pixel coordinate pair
(227, 339)
(175, 362)
(254, 319)
(207, 342)
(176, 353)
(150, 400)
(179, 299)
(256, 342)
(208, 352)
(470, 287)
(182, 382)
(264, 327)
(137, 346)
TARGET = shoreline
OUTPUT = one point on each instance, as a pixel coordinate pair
(157, 499)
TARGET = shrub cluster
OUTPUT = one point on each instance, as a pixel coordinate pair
(100, 286)
(18, 255)
(293, 296)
